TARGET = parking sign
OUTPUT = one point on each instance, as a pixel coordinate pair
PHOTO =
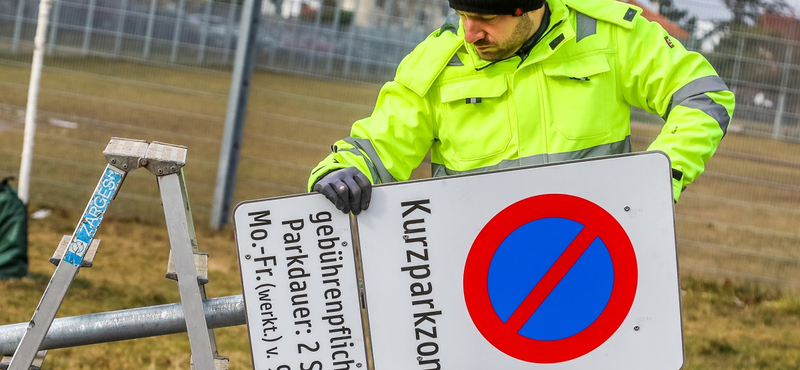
(563, 266)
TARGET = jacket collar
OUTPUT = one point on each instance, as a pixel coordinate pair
(559, 32)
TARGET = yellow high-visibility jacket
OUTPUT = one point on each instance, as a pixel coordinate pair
(569, 99)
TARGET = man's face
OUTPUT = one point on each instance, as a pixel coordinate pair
(497, 37)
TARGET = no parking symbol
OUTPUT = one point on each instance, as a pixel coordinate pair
(550, 278)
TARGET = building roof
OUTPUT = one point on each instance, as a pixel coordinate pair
(653, 16)
(787, 27)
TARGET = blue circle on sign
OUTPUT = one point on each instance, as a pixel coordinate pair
(524, 237)
(524, 257)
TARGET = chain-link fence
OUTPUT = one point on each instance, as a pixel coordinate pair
(161, 70)
(334, 38)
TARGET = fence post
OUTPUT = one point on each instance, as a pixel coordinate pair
(148, 37)
(275, 28)
(226, 43)
(123, 13)
(201, 52)
(388, 8)
(241, 80)
(51, 40)
(295, 30)
(737, 64)
(348, 55)
(312, 55)
(776, 125)
(18, 26)
(87, 32)
(337, 15)
(176, 35)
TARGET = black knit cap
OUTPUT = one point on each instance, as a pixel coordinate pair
(497, 7)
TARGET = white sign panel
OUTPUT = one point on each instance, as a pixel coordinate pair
(564, 266)
(300, 287)
(569, 266)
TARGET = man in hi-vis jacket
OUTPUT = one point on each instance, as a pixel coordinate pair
(508, 83)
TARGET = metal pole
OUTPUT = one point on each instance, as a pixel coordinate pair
(737, 65)
(337, 13)
(18, 26)
(123, 13)
(237, 108)
(33, 98)
(226, 43)
(176, 34)
(51, 40)
(389, 12)
(312, 54)
(297, 24)
(87, 32)
(148, 37)
(201, 52)
(348, 55)
(127, 324)
(776, 125)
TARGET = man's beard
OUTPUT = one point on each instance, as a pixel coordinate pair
(502, 51)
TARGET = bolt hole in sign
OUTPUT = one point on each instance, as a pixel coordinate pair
(550, 278)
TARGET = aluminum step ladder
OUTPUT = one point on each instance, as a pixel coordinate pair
(186, 264)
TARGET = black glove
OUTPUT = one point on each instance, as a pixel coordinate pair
(348, 189)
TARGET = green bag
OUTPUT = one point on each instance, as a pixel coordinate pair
(13, 233)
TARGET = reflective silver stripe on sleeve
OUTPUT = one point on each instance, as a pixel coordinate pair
(585, 26)
(693, 96)
(619, 147)
(372, 172)
(380, 175)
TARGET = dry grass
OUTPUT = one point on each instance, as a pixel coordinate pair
(128, 272)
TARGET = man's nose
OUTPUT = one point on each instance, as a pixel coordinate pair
(473, 31)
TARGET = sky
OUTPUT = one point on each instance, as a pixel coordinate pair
(715, 9)
(795, 4)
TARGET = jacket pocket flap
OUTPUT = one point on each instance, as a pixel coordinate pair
(584, 67)
(491, 87)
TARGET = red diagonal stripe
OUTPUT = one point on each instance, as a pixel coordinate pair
(550, 279)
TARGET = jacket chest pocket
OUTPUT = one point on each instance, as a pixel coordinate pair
(475, 118)
(581, 96)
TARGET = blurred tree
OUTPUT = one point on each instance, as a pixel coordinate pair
(677, 15)
(752, 53)
(746, 12)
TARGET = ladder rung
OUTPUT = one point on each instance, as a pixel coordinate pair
(220, 363)
(62, 247)
(36, 365)
(200, 263)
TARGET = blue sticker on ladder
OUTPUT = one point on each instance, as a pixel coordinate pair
(92, 216)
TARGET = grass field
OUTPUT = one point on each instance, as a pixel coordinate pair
(739, 219)
(739, 244)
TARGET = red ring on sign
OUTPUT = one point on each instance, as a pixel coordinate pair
(476, 272)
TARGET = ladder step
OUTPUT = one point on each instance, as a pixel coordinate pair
(62, 247)
(200, 263)
(125, 154)
(36, 365)
(163, 159)
(220, 363)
